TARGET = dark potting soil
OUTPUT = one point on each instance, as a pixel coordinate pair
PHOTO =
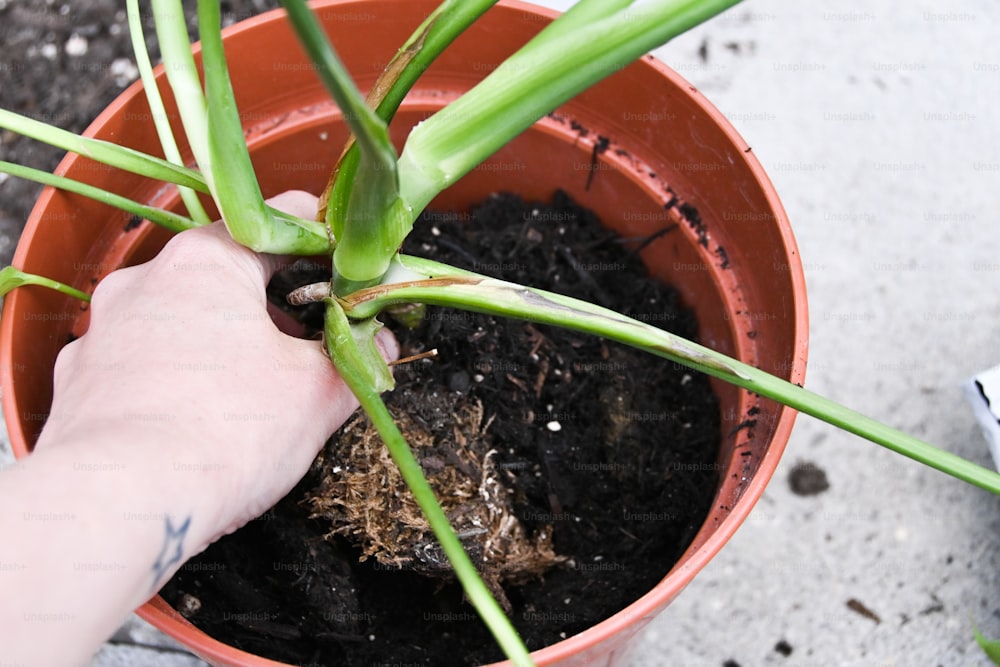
(606, 449)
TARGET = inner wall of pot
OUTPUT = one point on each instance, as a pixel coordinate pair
(299, 153)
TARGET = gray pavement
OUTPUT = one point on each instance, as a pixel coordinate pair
(878, 124)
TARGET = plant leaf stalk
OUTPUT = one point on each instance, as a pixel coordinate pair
(131, 161)
(182, 75)
(991, 647)
(368, 220)
(234, 183)
(172, 221)
(212, 133)
(157, 110)
(350, 361)
(446, 286)
(105, 152)
(11, 278)
(552, 69)
(445, 23)
(576, 17)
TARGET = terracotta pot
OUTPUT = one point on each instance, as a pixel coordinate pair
(738, 269)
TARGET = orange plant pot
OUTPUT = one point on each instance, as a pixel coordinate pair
(737, 266)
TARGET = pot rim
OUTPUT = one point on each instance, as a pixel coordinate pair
(639, 612)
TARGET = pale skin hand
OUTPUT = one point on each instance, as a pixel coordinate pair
(180, 415)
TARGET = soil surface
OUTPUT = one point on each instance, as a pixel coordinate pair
(602, 450)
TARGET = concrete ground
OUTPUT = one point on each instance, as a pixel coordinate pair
(878, 124)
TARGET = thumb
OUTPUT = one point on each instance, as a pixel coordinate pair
(336, 402)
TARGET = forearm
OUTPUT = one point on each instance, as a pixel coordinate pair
(180, 415)
(90, 531)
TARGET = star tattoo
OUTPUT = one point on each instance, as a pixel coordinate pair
(172, 550)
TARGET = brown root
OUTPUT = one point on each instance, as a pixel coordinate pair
(363, 497)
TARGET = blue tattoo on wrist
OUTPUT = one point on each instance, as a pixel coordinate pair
(172, 551)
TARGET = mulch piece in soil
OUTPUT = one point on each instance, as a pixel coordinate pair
(602, 453)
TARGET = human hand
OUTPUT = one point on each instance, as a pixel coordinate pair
(181, 354)
(181, 414)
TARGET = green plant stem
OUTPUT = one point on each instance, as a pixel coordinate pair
(12, 278)
(318, 243)
(460, 289)
(157, 111)
(234, 183)
(533, 82)
(446, 22)
(167, 219)
(104, 152)
(348, 360)
(575, 18)
(369, 220)
(182, 75)
(235, 186)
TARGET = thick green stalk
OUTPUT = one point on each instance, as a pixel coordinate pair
(167, 219)
(104, 152)
(215, 134)
(158, 112)
(583, 13)
(234, 182)
(446, 22)
(371, 220)
(348, 359)
(462, 290)
(182, 74)
(12, 278)
(531, 84)
(235, 186)
(440, 29)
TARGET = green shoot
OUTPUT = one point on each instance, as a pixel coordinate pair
(354, 367)
(167, 219)
(131, 161)
(369, 220)
(182, 74)
(554, 67)
(446, 22)
(157, 110)
(439, 30)
(234, 184)
(576, 17)
(104, 152)
(11, 278)
(451, 287)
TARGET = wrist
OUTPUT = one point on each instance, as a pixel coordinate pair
(144, 474)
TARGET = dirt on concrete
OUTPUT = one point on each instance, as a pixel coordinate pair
(62, 63)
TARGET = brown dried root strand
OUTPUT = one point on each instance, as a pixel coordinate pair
(364, 498)
(307, 294)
